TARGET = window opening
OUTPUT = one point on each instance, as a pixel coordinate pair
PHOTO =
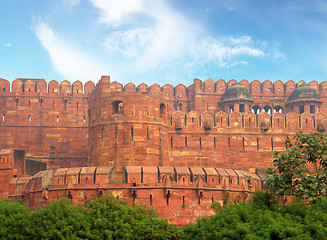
(228, 143)
(185, 142)
(65, 102)
(84, 119)
(57, 118)
(29, 104)
(132, 133)
(257, 144)
(167, 197)
(272, 144)
(214, 143)
(29, 118)
(242, 108)
(301, 109)
(150, 200)
(77, 104)
(231, 108)
(147, 134)
(200, 143)
(171, 142)
(118, 107)
(312, 109)
(243, 144)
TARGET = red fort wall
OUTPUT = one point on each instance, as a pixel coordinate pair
(142, 139)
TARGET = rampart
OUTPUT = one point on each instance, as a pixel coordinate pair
(149, 136)
(180, 194)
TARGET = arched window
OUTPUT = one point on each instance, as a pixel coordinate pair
(162, 110)
(256, 109)
(118, 107)
(278, 108)
(65, 102)
(267, 109)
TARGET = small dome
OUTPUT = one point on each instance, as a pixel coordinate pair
(236, 92)
(304, 92)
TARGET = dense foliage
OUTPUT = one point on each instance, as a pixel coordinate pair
(104, 218)
(301, 171)
(263, 218)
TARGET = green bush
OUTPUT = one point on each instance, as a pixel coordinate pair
(263, 218)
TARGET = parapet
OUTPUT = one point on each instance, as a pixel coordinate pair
(137, 176)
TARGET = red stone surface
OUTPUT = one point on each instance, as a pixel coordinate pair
(147, 139)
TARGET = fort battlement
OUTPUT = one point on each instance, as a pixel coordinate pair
(155, 139)
(180, 193)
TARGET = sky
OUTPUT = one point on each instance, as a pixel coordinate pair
(163, 41)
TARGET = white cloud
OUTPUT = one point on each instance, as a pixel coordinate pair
(8, 44)
(114, 13)
(71, 63)
(166, 36)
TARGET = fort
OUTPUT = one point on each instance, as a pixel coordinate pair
(178, 149)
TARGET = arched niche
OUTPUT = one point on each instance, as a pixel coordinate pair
(221, 120)
(207, 120)
(235, 120)
(264, 122)
(278, 120)
(292, 121)
(249, 120)
(192, 119)
(320, 121)
(178, 120)
(306, 121)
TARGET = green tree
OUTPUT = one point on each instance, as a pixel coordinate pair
(114, 219)
(301, 171)
(14, 220)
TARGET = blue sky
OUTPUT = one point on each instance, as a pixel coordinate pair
(172, 41)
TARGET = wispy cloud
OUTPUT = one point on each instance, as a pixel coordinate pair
(167, 36)
(8, 44)
(70, 62)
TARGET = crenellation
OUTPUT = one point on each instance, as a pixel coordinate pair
(169, 146)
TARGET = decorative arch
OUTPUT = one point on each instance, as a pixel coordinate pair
(221, 120)
(256, 109)
(249, 120)
(306, 121)
(278, 120)
(118, 107)
(235, 120)
(278, 108)
(292, 121)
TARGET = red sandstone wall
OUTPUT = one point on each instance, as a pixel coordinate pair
(49, 121)
(180, 194)
(199, 134)
(58, 131)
